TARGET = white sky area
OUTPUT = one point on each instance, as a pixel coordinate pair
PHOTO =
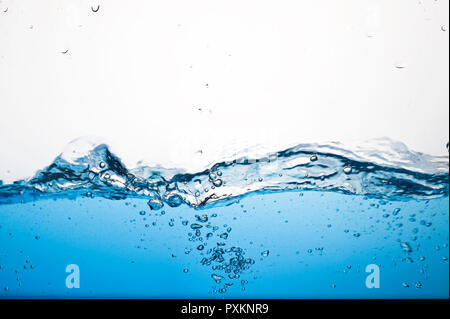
(267, 74)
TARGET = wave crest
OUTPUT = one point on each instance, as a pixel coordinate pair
(383, 169)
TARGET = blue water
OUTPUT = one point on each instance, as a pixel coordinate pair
(305, 228)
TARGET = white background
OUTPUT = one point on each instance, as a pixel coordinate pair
(267, 73)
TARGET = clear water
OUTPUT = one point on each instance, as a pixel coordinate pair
(301, 223)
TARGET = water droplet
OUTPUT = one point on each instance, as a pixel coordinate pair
(399, 65)
(405, 285)
(102, 164)
(196, 226)
(36, 237)
(200, 247)
(356, 234)
(418, 285)
(444, 28)
(142, 212)
(313, 158)
(185, 270)
(347, 169)
(265, 253)
(197, 194)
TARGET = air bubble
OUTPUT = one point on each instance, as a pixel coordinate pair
(406, 247)
(224, 236)
(201, 218)
(347, 169)
(217, 182)
(217, 278)
(173, 200)
(155, 204)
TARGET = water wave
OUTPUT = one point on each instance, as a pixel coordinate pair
(385, 169)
